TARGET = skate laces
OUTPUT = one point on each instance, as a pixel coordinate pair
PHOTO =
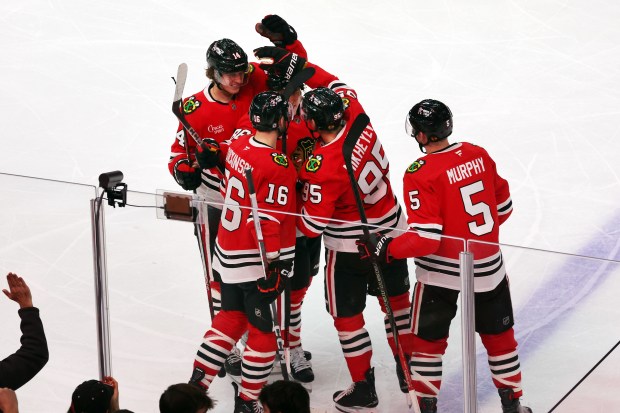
(347, 391)
(298, 361)
(235, 355)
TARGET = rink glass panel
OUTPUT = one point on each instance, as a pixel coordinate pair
(45, 237)
(564, 308)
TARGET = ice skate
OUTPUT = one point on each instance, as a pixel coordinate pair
(360, 396)
(245, 406)
(301, 369)
(232, 365)
(510, 404)
(428, 405)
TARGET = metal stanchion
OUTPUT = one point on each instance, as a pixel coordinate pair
(468, 332)
(101, 288)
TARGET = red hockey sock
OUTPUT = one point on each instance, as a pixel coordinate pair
(226, 329)
(400, 308)
(504, 360)
(294, 330)
(355, 343)
(258, 358)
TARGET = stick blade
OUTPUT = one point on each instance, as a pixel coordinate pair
(299, 79)
(180, 86)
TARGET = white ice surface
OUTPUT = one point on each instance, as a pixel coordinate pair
(86, 89)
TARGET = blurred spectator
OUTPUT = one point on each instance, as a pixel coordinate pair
(8, 401)
(185, 398)
(94, 396)
(18, 368)
(284, 397)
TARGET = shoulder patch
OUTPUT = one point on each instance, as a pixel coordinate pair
(190, 105)
(416, 166)
(280, 159)
(314, 163)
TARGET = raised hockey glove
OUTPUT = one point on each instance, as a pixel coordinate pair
(208, 153)
(277, 277)
(277, 30)
(374, 245)
(189, 178)
(282, 63)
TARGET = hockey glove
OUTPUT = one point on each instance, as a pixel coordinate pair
(374, 245)
(280, 62)
(277, 30)
(277, 277)
(208, 153)
(189, 178)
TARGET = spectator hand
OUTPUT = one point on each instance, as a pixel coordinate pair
(114, 403)
(8, 401)
(374, 245)
(208, 153)
(277, 277)
(281, 62)
(18, 291)
(277, 30)
(188, 177)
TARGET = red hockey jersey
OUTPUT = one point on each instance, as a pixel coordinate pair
(455, 192)
(328, 201)
(217, 120)
(237, 257)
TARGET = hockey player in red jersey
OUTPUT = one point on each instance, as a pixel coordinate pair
(246, 294)
(299, 145)
(329, 208)
(214, 113)
(454, 191)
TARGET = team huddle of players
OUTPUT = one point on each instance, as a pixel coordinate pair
(292, 144)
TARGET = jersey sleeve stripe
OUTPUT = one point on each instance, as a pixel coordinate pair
(428, 231)
(505, 207)
(313, 225)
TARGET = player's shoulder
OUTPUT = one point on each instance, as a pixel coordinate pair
(195, 102)
(415, 166)
(324, 165)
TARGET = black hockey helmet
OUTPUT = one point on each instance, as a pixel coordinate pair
(431, 117)
(324, 107)
(276, 80)
(266, 110)
(226, 56)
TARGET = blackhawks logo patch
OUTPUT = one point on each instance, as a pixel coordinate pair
(314, 163)
(190, 105)
(415, 166)
(280, 159)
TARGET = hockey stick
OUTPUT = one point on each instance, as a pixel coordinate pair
(296, 81)
(177, 109)
(358, 126)
(283, 353)
(203, 241)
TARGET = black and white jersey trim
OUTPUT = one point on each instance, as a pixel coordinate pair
(444, 272)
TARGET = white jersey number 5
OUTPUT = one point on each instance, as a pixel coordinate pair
(477, 209)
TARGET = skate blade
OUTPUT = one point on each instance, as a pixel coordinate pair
(356, 409)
